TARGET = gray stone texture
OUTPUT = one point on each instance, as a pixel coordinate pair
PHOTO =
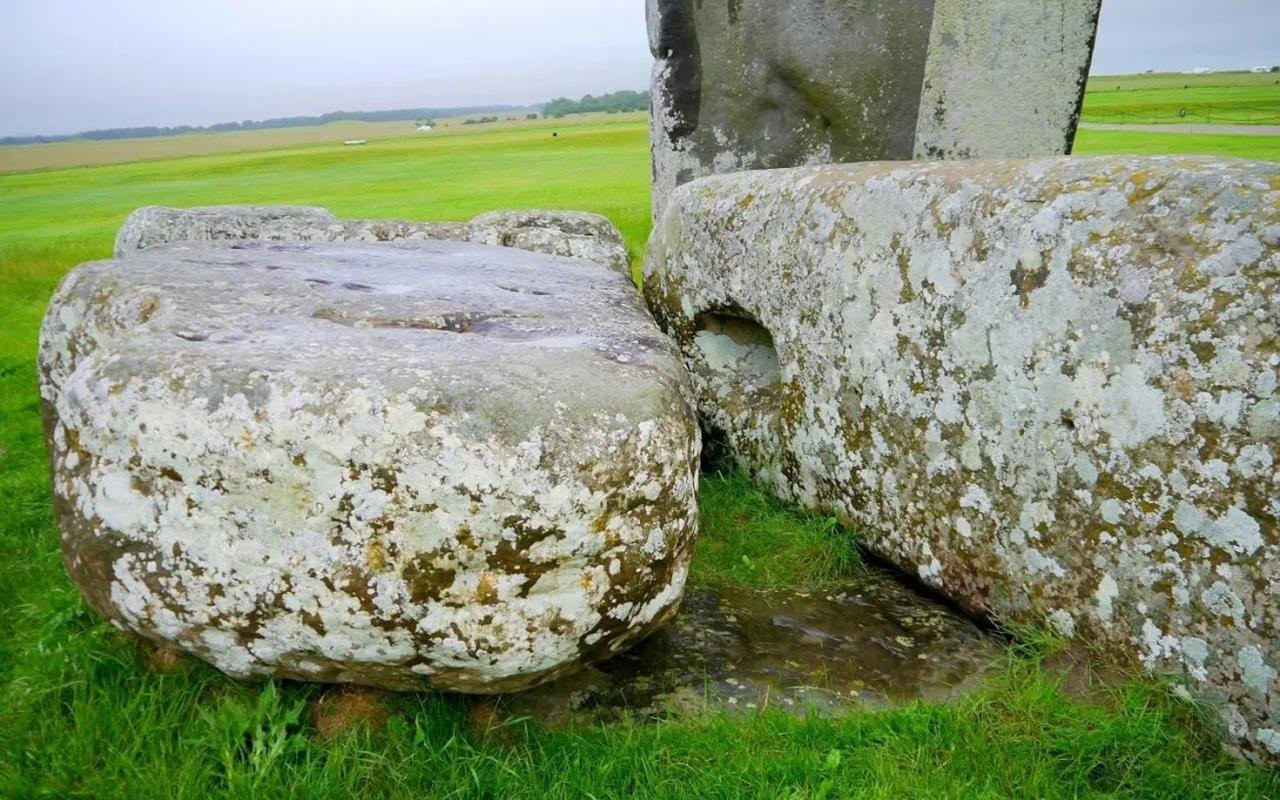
(867, 644)
(405, 465)
(755, 84)
(1048, 388)
(573, 234)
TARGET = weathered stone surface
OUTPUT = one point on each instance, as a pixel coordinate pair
(157, 225)
(750, 84)
(1005, 78)
(869, 644)
(574, 234)
(1046, 387)
(437, 464)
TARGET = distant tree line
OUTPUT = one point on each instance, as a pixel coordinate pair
(612, 103)
(394, 115)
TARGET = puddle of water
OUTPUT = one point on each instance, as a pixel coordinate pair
(872, 643)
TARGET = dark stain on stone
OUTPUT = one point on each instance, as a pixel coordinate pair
(677, 43)
(426, 580)
(1027, 281)
(1205, 351)
(384, 479)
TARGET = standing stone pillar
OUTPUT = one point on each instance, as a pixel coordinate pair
(759, 84)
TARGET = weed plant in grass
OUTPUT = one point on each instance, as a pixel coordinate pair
(84, 712)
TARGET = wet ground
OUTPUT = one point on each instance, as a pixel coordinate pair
(870, 644)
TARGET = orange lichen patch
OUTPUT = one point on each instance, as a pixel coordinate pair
(376, 556)
(486, 590)
(340, 711)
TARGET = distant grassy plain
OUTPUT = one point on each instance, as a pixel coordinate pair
(83, 152)
(1228, 97)
(86, 713)
(1237, 98)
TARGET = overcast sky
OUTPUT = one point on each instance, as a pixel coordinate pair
(71, 65)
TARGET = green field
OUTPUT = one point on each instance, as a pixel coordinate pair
(88, 713)
(1260, 148)
(85, 152)
(1237, 98)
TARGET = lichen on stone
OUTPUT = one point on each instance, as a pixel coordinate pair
(1046, 387)
(433, 464)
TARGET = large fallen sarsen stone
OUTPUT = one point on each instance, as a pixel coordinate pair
(440, 464)
(754, 84)
(575, 234)
(1047, 387)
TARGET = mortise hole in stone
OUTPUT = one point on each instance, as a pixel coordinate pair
(735, 346)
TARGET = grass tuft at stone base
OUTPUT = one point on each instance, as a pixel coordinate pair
(751, 539)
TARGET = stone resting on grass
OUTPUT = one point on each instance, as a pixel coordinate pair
(405, 465)
(1047, 387)
(575, 234)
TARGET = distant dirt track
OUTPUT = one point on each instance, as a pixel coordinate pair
(1234, 130)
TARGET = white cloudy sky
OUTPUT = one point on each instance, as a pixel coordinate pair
(70, 65)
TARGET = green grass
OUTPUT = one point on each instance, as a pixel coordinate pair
(98, 725)
(82, 715)
(1260, 148)
(761, 542)
(1234, 98)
